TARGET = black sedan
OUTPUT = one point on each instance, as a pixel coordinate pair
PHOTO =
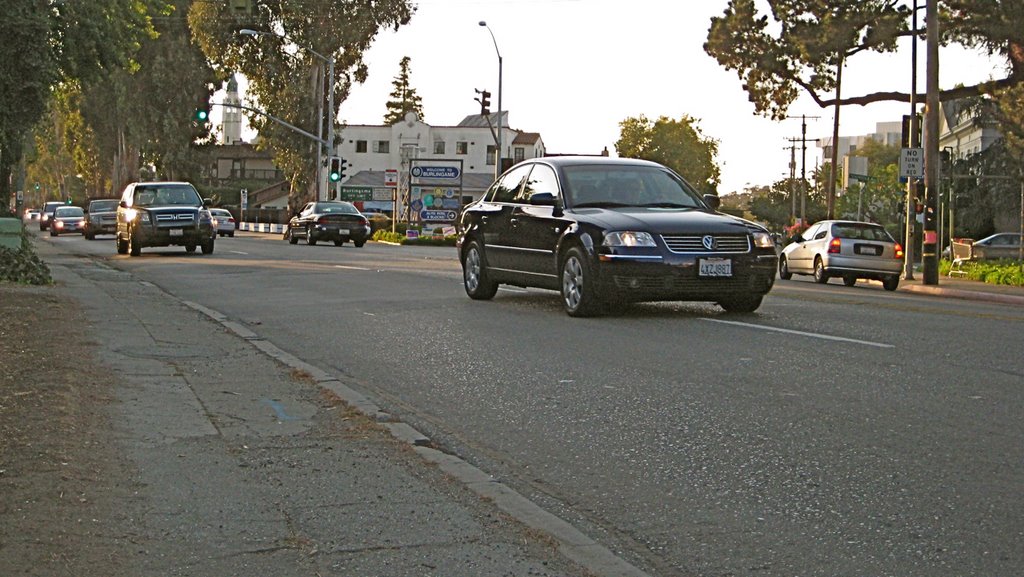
(605, 231)
(334, 220)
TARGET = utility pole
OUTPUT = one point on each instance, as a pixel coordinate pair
(915, 142)
(929, 250)
(803, 165)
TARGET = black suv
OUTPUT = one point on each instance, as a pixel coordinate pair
(101, 217)
(605, 231)
(46, 214)
(163, 214)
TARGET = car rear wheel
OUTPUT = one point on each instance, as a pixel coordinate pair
(741, 303)
(784, 273)
(579, 292)
(891, 283)
(474, 274)
(820, 276)
(849, 280)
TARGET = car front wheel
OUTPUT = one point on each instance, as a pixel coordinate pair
(134, 248)
(122, 245)
(474, 274)
(579, 292)
(310, 240)
(741, 303)
(784, 273)
(207, 246)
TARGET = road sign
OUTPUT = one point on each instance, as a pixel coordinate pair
(435, 171)
(437, 215)
(911, 163)
(356, 193)
(390, 177)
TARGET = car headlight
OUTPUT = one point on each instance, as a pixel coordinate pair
(628, 238)
(763, 240)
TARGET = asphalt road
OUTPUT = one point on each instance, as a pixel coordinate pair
(836, 431)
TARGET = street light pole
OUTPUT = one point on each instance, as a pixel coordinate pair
(329, 60)
(497, 164)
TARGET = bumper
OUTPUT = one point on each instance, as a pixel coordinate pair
(863, 267)
(188, 236)
(335, 232)
(101, 227)
(679, 278)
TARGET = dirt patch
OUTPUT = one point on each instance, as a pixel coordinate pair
(62, 483)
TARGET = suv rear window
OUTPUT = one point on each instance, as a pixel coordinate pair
(103, 206)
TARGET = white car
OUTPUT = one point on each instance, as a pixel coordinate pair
(846, 249)
(223, 222)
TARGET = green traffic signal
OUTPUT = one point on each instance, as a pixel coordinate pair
(202, 114)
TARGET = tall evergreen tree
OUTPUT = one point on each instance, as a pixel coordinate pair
(403, 98)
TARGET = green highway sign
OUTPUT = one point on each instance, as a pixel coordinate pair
(351, 193)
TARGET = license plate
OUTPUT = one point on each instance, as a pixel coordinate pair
(715, 267)
(177, 232)
(868, 249)
(342, 231)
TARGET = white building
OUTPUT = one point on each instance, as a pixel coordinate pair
(380, 161)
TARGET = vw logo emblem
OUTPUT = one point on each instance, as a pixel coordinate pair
(709, 242)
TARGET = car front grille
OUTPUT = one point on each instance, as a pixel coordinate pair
(696, 243)
(690, 284)
(176, 218)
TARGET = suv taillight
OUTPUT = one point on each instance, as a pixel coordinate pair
(834, 246)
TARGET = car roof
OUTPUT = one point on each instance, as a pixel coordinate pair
(562, 161)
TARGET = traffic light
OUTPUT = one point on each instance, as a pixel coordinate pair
(485, 102)
(202, 114)
(337, 171)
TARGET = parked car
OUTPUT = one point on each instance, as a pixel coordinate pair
(47, 213)
(999, 245)
(851, 250)
(67, 218)
(334, 220)
(101, 217)
(605, 231)
(223, 221)
(163, 214)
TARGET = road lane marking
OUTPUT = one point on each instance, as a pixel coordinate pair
(804, 334)
(237, 252)
(350, 267)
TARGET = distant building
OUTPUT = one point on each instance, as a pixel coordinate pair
(231, 127)
(379, 155)
(962, 130)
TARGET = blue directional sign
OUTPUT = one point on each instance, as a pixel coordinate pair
(437, 215)
(435, 171)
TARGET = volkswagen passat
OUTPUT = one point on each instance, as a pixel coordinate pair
(847, 249)
(605, 231)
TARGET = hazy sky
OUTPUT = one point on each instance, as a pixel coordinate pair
(574, 69)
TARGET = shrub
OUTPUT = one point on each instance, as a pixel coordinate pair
(23, 266)
(1006, 272)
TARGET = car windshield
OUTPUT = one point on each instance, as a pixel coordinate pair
(337, 209)
(102, 205)
(860, 231)
(166, 194)
(68, 211)
(612, 186)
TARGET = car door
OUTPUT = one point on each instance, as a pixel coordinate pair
(300, 224)
(535, 228)
(801, 257)
(500, 245)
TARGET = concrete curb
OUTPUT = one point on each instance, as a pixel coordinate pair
(572, 543)
(965, 294)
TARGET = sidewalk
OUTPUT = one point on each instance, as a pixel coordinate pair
(245, 460)
(960, 288)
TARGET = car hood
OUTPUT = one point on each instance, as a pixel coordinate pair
(666, 221)
(170, 208)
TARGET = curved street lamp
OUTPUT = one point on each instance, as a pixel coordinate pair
(497, 163)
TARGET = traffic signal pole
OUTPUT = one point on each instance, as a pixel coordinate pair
(929, 250)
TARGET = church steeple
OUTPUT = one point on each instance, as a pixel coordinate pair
(232, 133)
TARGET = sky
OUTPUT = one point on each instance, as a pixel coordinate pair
(572, 70)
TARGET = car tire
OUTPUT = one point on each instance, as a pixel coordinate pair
(741, 303)
(849, 280)
(309, 238)
(53, 232)
(190, 248)
(784, 273)
(359, 243)
(290, 235)
(891, 283)
(339, 242)
(820, 276)
(231, 234)
(133, 247)
(475, 278)
(122, 245)
(579, 298)
(207, 246)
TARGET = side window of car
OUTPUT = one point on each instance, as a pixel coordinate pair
(507, 187)
(542, 179)
(821, 233)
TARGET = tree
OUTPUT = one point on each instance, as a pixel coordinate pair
(403, 98)
(678, 144)
(285, 74)
(878, 196)
(802, 47)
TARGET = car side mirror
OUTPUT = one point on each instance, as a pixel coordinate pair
(713, 201)
(543, 199)
(123, 204)
(207, 202)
